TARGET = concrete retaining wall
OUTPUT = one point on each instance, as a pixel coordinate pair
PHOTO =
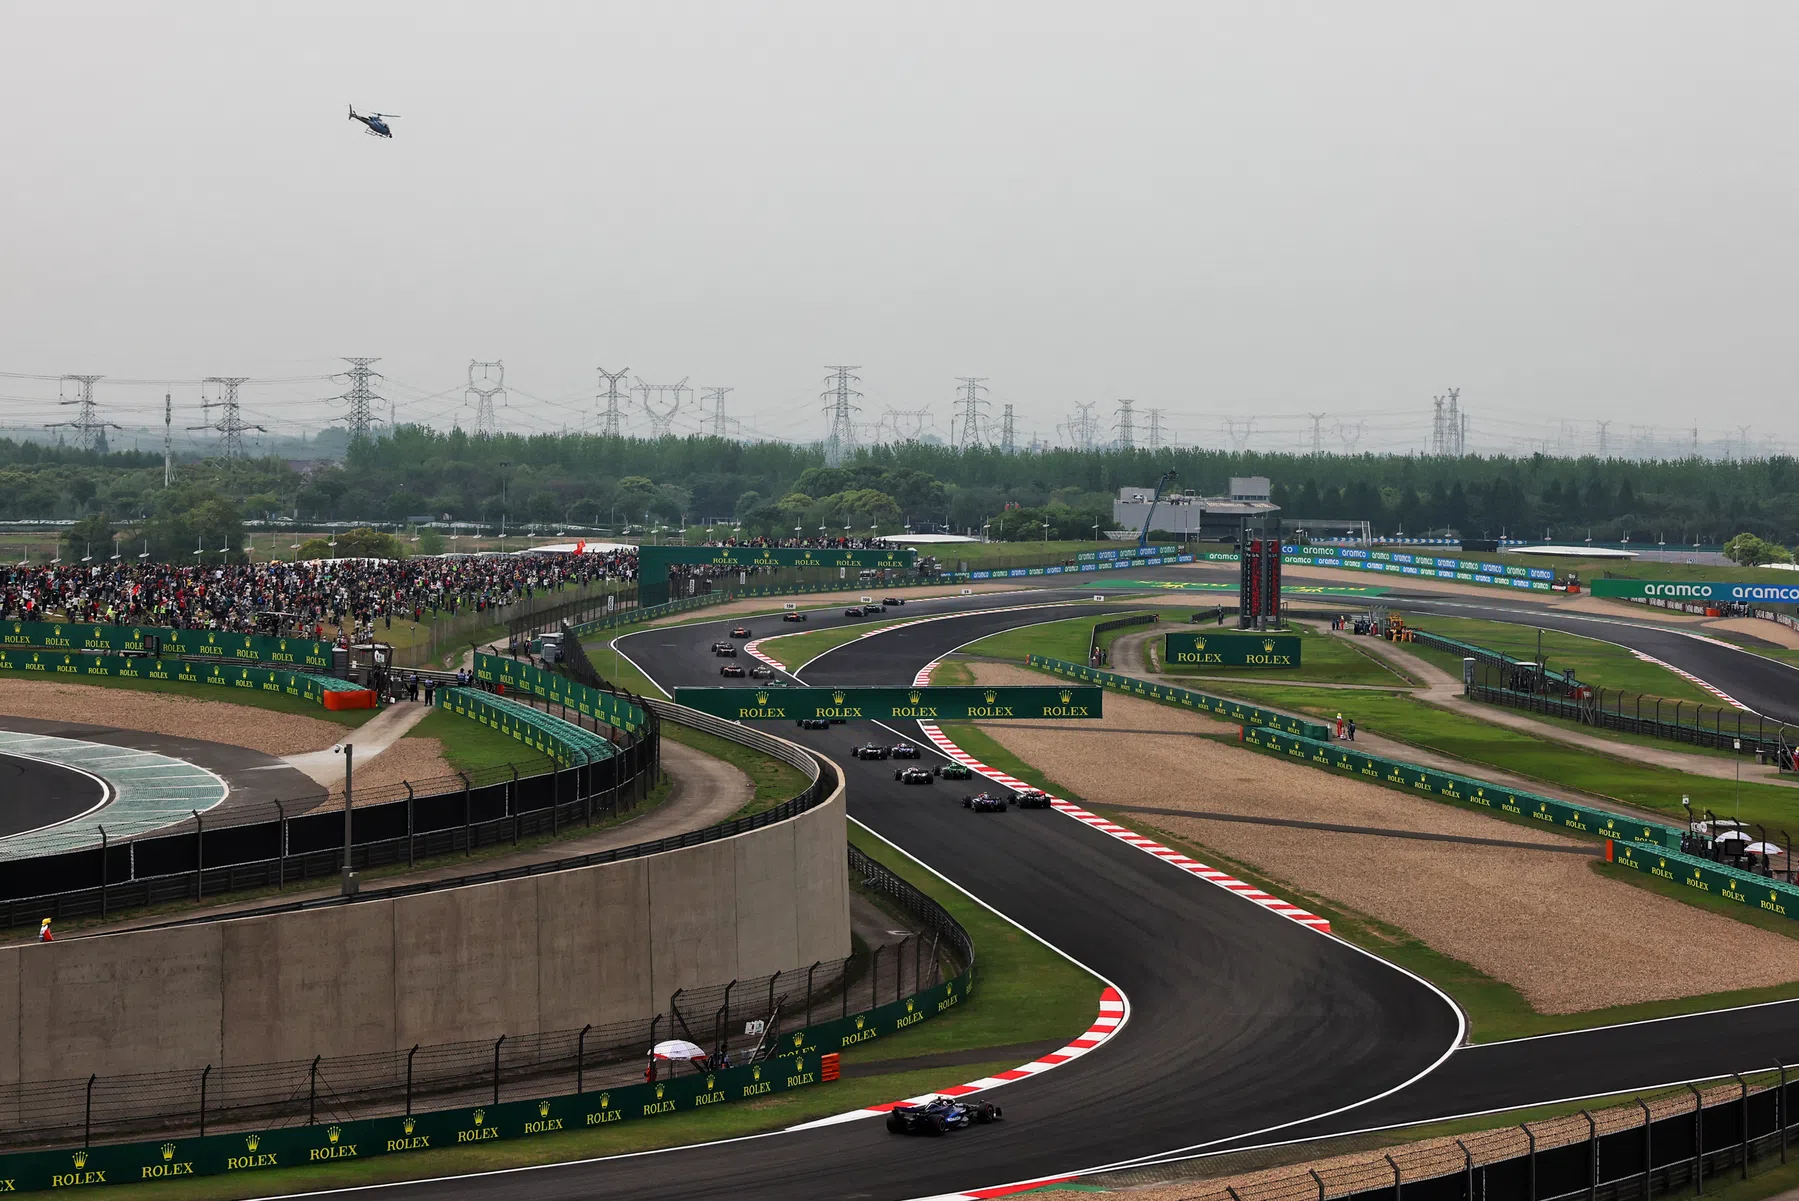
(597, 944)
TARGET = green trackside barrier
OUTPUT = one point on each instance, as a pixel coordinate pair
(1321, 752)
(797, 1064)
(167, 642)
(1702, 875)
(1225, 649)
(1237, 711)
(563, 741)
(1465, 571)
(516, 676)
(181, 671)
(631, 617)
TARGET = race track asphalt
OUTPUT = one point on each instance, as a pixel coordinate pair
(1243, 1025)
(34, 794)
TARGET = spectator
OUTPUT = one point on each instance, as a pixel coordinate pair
(43, 930)
(1352, 729)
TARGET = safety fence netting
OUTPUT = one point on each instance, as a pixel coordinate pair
(1688, 1137)
(736, 1022)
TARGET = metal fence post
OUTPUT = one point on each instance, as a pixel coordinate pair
(1396, 1185)
(1648, 1150)
(203, 1077)
(409, 825)
(312, 1092)
(512, 803)
(814, 968)
(87, 1121)
(496, 1068)
(281, 846)
(1592, 1156)
(846, 985)
(771, 994)
(468, 829)
(199, 856)
(103, 872)
(1743, 1118)
(581, 1057)
(409, 1055)
(1525, 1126)
(874, 976)
(1467, 1173)
(1698, 1140)
(1780, 1110)
(1318, 1180)
(725, 1014)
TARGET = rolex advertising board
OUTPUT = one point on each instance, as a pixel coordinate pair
(1184, 648)
(892, 704)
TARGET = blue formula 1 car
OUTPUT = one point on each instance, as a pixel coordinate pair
(940, 1115)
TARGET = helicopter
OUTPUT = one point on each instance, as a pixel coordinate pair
(377, 122)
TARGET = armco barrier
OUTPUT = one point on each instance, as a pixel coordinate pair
(1641, 845)
(1249, 715)
(516, 676)
(183, 671)
(166, 641)
(563, 741)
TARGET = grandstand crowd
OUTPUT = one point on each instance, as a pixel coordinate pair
(294, 598)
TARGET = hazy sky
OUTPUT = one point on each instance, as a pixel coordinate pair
(1570, 211)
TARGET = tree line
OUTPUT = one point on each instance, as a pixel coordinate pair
(774, 488)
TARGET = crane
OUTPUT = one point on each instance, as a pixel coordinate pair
(1143, 534)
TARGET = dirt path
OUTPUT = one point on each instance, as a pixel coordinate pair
(704, 791)
(265, 730)
(1511, 911)
(374, 737)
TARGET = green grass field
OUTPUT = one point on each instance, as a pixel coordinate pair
(1322, 660)
(1600, 664)
(1648, 787)
(1024, 993)
(1067, 639)
(471, 747)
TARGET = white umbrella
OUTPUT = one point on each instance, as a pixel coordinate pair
(1763, 848)
(1733, 836)
(1722, 823)
(677, 1048)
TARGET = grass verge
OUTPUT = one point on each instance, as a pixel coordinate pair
(775, 781)
(1594, 662)
(1025, 992)
(1613, 778)
(470, 746)
(1066, 639)
(1322, 660)
(795, 650)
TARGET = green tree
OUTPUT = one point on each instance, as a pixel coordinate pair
(359, 543)
(1751, 551)
(93, 535)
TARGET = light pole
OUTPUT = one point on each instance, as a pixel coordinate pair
(1736, 744)
(349, 882)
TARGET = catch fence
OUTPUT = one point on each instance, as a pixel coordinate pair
(1693, 1137)
(747, 1020)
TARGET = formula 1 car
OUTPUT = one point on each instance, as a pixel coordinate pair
(853, 611)
(1031, 798)
(955, 771)
(892, 600)
(727, 650)
(904, 750)
(793, 617)
(914, 775)
(986, 802)
(761, 671)
(741, 632)
(869, 751)
(813, 723)
(940, 1115)
(731, 669)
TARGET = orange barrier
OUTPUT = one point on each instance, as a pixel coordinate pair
(359, 698)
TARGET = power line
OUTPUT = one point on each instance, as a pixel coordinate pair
(1081, 426)
(840, 430)
(230, 425)
(486, 380)
(720, 423)
(1155, 429)
(970, 404)
(1007, 439)
(1127, 434)
(360, 419)
(660, 421)
(90, 431)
